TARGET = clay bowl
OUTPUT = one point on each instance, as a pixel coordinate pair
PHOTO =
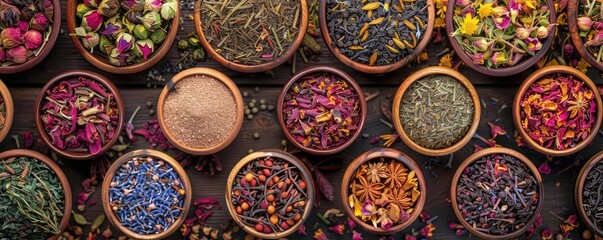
(9, 110)
(74, 74)
(60, 175)
(501, 71)
(314, 70)
(377, 153)
(473, 158)
(104, 63)
(418, 75)
(275, 154)
(218, 76)
(537, 75)
(303, 25)
(381, 69)
(159, 156)
(572, 17)
(52, 39)
(578, 191)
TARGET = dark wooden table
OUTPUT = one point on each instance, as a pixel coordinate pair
(559, 188)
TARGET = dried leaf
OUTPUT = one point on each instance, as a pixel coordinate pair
(373, 58)
(325, 187)
(410, 26)
(98, 222)
(399, 43)
(355, 47)
(79, 218)
(377, 21)
(392, 49)
(371, 6)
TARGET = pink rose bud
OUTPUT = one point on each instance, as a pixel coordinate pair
(23, 26)
(542, 32)
(39, 22)
(144, 48)
(124, 42)
(598, 26)
(152, 5)
(481, 44)
(90, 41)
(584, 23)
(92, 3)
(92, 21)
(2, 54)
(463, 3)
(33, 39)
(568, 49)
(17, 54)
(11, 37)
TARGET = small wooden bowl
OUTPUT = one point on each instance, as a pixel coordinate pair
(103, 63)
(501, 71)
(572, 17)
(218, 76)
(418, 75)
(375, 154)
(586, 170)
(314, 70)
(52, 39)
(537, 75)
(74, 74)
(159, 156)
(381, 69)
(303, 26)
(473, 158)
(60, 175)
(273, 153)
(9, 110)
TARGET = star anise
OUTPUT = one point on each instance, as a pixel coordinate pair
(400, 197)
(396, 175)
(375, 172)
(578, 105)
(365, 190)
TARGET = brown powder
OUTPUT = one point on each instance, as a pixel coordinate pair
(200, 112)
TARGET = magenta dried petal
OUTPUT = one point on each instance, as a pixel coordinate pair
(56, 138)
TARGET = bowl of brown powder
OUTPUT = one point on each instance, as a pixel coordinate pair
(200, 111)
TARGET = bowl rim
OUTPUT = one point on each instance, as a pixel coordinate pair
(418, 75)
(274, 153)
(572, 15)
(486, 152)
(537, 75)
(303, 26)
(391, 154)
(68, 198)
(236, 93)
(584, 172)
(158, 156)
(54, 34)
(501, 71)
(381, 69)
(72, 74)
(104, 64)
(8, 109)
(321, 69)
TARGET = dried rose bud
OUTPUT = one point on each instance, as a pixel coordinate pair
(144, 48)
(134, 17)
(9, 15)
(168, 10)
(584, 23)
(128, 4)
(108, 8)
(92, 21)
(598, 26)
(114, 27)
(17, 54)
(33, 39)
(140, 32)
(90, 41)
(542, 32)
(118, 59)
(533, 44)
(152, 21)
(124, 42)
(482, 44)
(18, 3)
(39, 22)
(158, 36)
(105, 45)
(48, 7)
(92, 3)
(28, 11)
(81, 9)
(522, 33)
(2, 54)
(11, 37)
(23, 26)
(152, 5)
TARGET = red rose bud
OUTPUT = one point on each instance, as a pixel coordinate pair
(91, 21)
(152, 5)
(11, 37)
(152, 21)
(9, 15)
(144, 48)
(17, 54)
(28, 11)
(33, 39)
(23, 26)
(92, 3)
(108, 8)
(124, 42)
(39, 22)
(90, 41)
(2, 54)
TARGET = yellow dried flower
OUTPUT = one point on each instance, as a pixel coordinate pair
(446, 61)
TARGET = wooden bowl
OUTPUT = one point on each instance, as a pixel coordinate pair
(473, 158)
(68, 201)
(52, 39)
(314, 70)
(303, 26)
(74, 74)
(418, 75)
(389, 153)
(272, 153)
(501, 71)
(572, 16)
(104, 63)
(586, 170)
(8, 108)
(537, 75)
(159, 156)
(381, 69)
(218, 76)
